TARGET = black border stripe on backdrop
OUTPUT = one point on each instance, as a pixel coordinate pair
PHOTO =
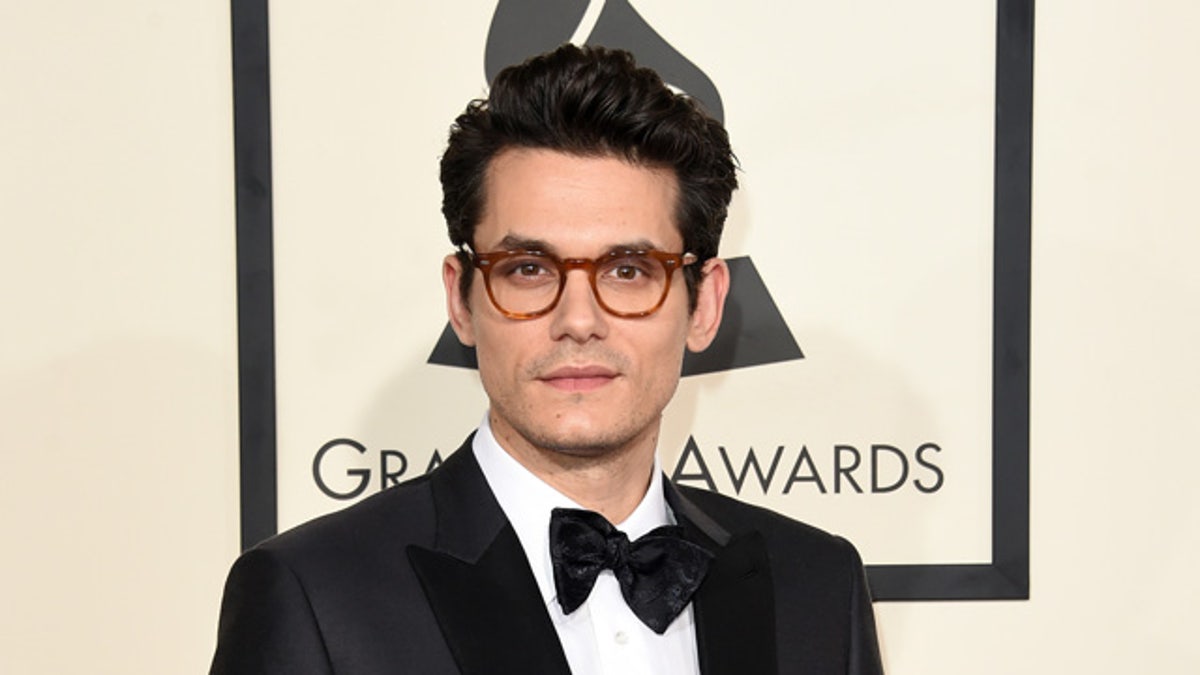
(1006, 577)
(255, 270)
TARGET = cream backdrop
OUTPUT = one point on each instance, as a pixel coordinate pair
(119, 358)
(865, 206)
(118, 372)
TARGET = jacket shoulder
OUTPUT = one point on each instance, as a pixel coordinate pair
(789, 541)
(333, 591)
(399, 515)
(819, 587)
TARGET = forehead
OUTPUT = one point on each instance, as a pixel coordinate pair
(578, 205)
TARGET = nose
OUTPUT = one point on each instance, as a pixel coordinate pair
(578, 315)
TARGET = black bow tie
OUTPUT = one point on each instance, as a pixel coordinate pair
(658, 573)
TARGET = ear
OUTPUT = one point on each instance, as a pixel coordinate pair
(710, 305)
(456, 307)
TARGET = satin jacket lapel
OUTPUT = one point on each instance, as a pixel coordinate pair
(478, 582)
(735, 606)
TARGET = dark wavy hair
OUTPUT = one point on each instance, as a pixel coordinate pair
(592, 101)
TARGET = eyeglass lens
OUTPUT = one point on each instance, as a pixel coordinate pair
(529, 283)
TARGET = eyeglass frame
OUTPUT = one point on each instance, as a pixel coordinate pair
(670, 262)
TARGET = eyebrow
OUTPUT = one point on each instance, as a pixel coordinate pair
(514, 243)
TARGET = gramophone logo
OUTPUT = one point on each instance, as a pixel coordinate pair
(753, 332)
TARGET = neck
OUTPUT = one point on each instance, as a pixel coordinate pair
(611, 482)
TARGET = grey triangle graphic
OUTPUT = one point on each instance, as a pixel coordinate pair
(753, 332)
(523, 28)
(450, 352)
(621, 27)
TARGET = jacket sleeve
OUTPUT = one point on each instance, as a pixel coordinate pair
(267, 625)
(864, 656)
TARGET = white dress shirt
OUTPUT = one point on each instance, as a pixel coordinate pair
(603, 636)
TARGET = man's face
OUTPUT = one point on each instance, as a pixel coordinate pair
(579, 380)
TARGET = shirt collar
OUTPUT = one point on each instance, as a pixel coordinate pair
(527, 501)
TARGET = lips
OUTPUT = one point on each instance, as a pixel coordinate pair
(578, 378)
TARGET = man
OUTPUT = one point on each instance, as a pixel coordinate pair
(586, 201)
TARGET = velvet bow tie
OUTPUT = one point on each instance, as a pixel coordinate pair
(658, 573)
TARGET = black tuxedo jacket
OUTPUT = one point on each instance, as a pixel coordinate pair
(429, 577)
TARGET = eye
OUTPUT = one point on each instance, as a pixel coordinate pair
(529, 269)
(627, 272)
(629, 269)
(526, 270)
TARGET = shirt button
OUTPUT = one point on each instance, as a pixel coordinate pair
(621, 637)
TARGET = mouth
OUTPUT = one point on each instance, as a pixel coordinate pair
(578, 378)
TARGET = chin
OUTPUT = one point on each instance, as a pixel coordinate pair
(590, 438)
